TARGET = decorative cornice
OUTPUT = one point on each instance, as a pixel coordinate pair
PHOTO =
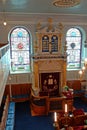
(26, 18)
(41, 57)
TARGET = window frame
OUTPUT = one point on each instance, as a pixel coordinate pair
(80, 54)
(29, 34)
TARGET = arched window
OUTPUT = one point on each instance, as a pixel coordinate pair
(74, 46)
(19, 39)
(54, 40)
(45, 43)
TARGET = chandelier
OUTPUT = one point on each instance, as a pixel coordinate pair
(65, 3)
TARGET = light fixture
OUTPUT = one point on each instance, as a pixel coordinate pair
(85, 62)
(65, 3)
(83, 71)
(4, 18)
(4, 23)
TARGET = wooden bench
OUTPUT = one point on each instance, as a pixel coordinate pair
(19, 92)
(77, 88)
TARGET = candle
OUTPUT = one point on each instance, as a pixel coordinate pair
(65, 108)
(55, 117)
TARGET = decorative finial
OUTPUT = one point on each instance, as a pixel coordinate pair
(50, 20)
(60, 26)
(38, 26)
(65, 47)
(50, 26)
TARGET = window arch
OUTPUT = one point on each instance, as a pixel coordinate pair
(74, 47)
(20, 39)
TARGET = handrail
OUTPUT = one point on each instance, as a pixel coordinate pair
(4, 68)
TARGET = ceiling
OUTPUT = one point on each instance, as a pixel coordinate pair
(40, 7)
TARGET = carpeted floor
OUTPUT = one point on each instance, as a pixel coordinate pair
(79, 103)
(24, 120)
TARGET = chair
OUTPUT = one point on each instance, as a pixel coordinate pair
(79, 111)
(65, 121)
(79, 117)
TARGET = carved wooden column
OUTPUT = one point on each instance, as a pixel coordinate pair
(36, 75)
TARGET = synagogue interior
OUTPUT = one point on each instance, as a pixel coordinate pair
(43, 63)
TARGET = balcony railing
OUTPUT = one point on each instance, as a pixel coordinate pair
(4, 68)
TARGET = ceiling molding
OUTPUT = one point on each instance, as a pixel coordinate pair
(34, 23)
(41, 7)
(37, 14)
(25, 18)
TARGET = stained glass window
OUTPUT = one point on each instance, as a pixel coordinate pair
(54, 41)
(20, 50)
(74, 44)
(45, 43)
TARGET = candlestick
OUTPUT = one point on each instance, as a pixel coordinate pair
(66, 108)
(56, 123)
(55, 117)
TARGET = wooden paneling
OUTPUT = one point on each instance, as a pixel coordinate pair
(17, 91)
(77, 87)
(74, 84)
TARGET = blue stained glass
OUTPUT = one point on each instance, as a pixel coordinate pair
(54, 38)
(20, 34)
(73, 34)
(20, 59)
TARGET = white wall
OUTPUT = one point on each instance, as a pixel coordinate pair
(19, 78)
(30, 21)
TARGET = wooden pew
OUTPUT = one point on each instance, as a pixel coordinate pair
(19, 92)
